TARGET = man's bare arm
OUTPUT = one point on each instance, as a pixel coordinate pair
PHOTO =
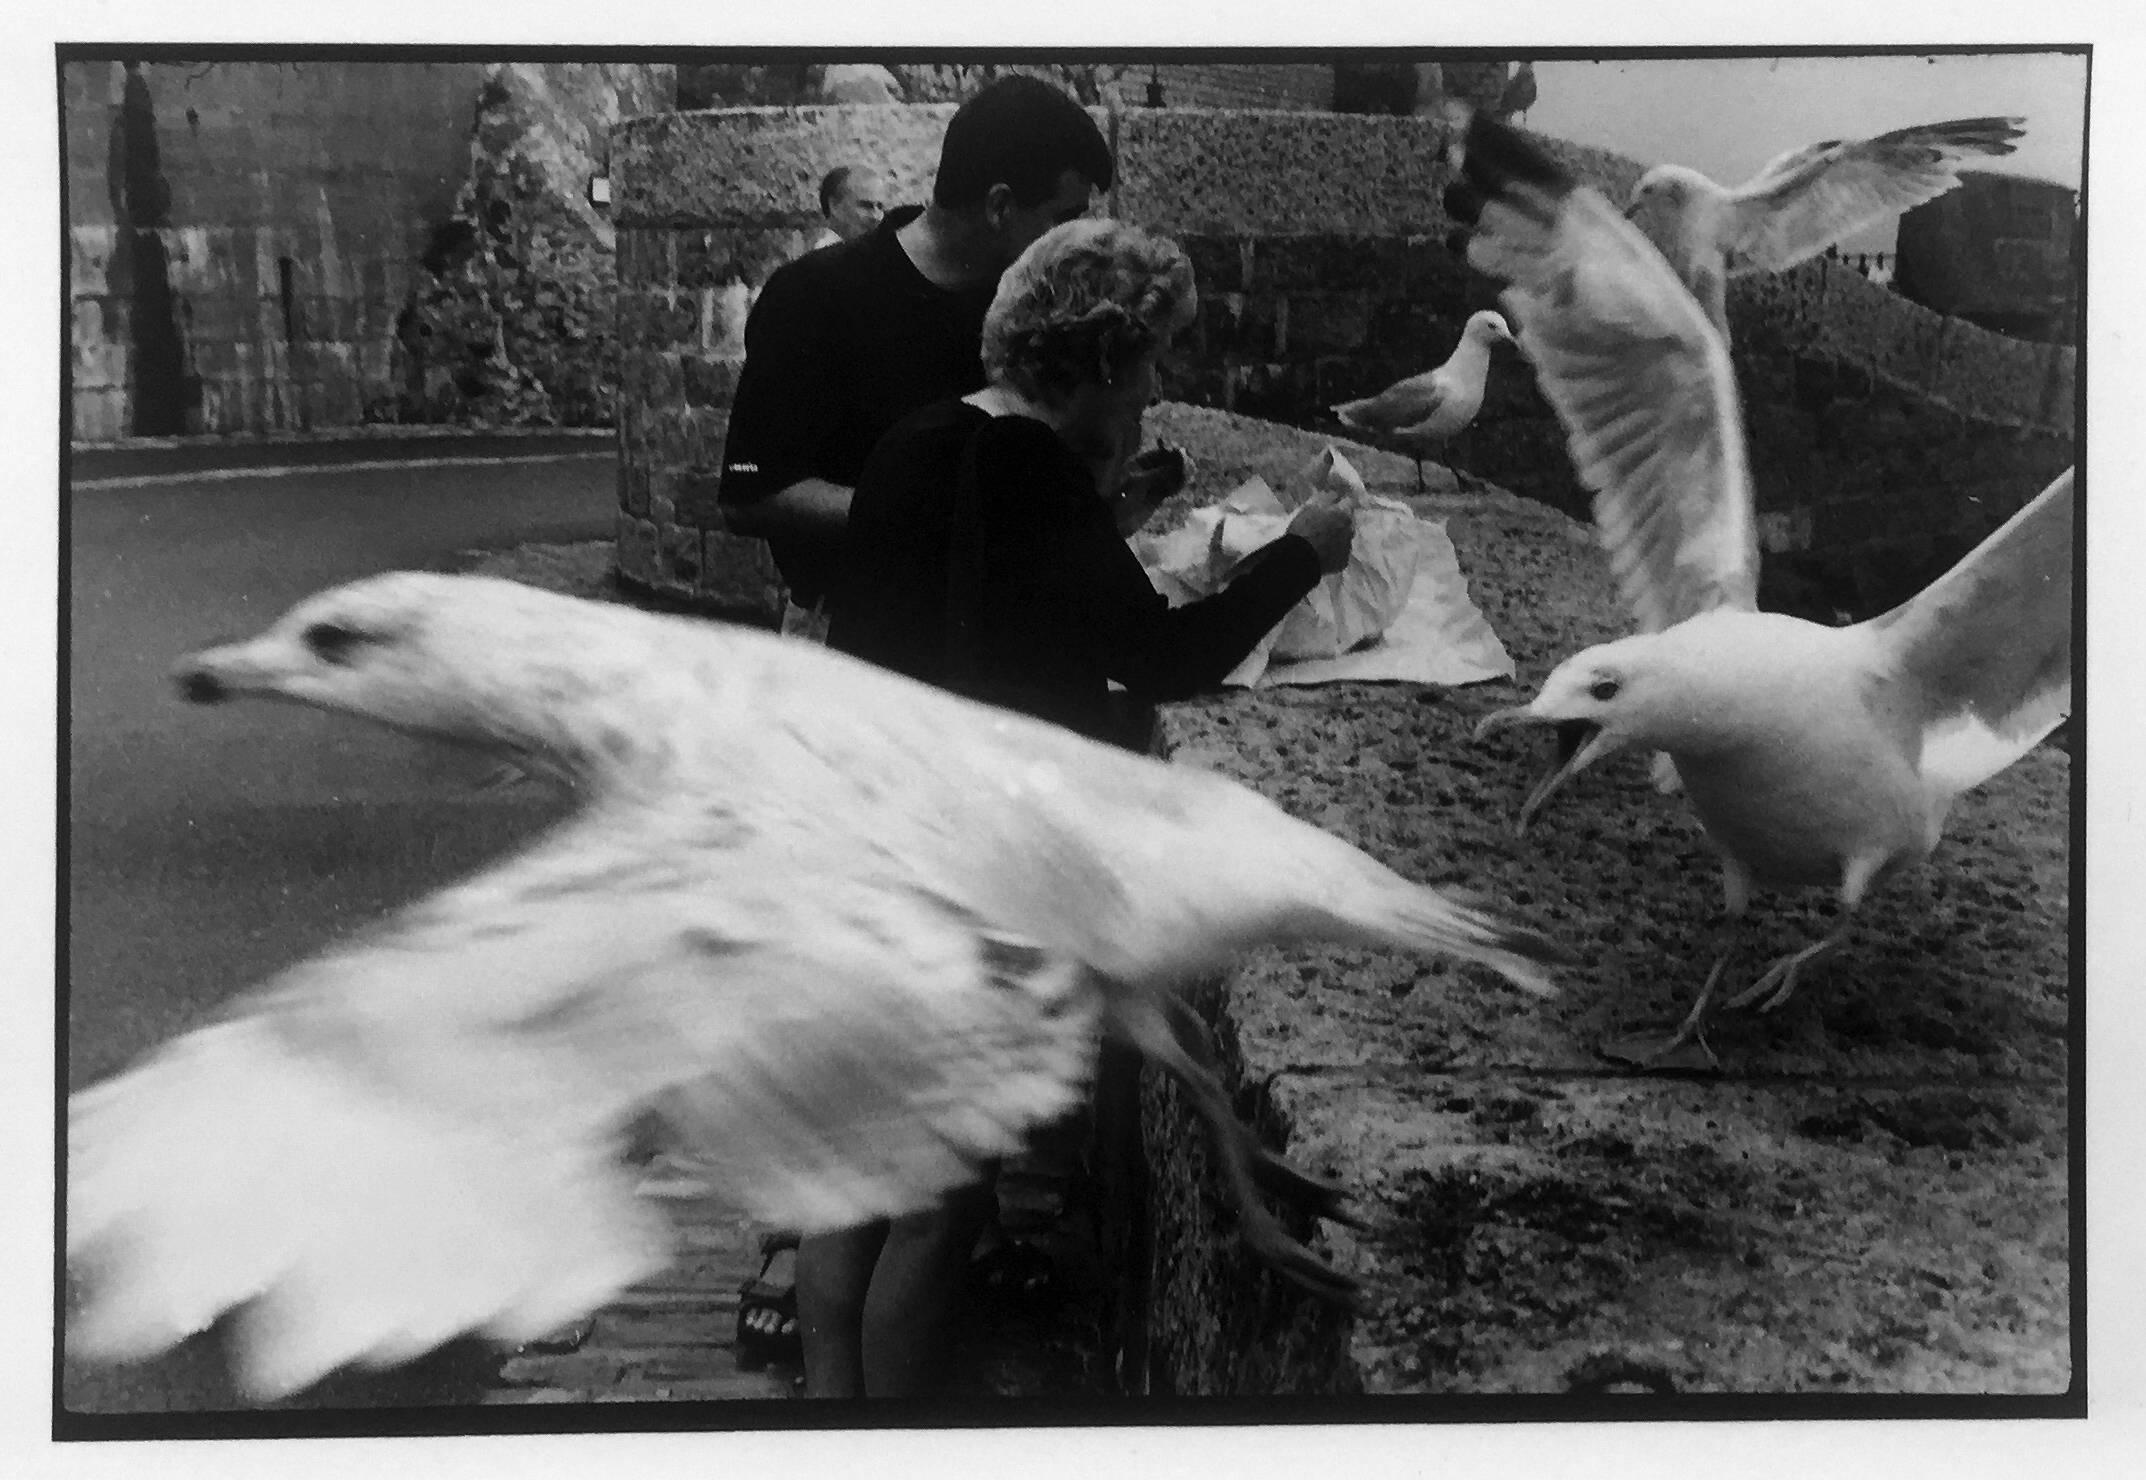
(810, 506)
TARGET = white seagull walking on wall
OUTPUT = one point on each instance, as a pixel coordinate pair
(1421, 414)
(1803, 202)
(1811, 754)
(847, 935)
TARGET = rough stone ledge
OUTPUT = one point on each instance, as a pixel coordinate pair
(1872, 1199)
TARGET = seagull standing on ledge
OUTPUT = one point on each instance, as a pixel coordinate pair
(1803, 202)
(848, 935)
(1421, 414)
(1812, 754)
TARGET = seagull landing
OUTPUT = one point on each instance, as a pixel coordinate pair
(1812, 754)
(1802, 202)
(1421, 414)
(847, 935)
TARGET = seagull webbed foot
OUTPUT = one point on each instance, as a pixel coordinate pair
(1681, 1052)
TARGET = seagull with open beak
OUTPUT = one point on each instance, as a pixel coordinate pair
(1812, 754)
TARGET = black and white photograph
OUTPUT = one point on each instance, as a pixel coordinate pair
(887, 744)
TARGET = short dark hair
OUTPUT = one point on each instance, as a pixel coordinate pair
(1022, 133)
(831, 185)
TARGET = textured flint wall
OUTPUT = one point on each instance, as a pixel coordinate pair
(1886, 439)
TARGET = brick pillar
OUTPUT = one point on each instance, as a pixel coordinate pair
(707, 204)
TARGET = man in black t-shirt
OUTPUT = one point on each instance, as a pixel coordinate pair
(843, 343)
(846, 341)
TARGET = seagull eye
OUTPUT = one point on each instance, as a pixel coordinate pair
(331, 643)
(1604, 689)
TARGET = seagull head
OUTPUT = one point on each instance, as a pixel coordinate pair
(1487, 326)
(490, 663)
(1664, 198)
(1598, 702)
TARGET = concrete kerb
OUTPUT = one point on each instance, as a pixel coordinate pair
(146, 461)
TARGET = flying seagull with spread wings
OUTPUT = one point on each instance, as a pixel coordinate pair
(1802, 202)
(847, 935)
(1422, 413)
(1812, 754)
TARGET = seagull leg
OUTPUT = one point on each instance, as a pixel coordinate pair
(1141, 1020)
(1644, 1052)
(1641, 1051)
(1780, 978)
(1275, 1174)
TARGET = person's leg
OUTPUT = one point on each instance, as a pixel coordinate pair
(834, 1274)
(916, 1291)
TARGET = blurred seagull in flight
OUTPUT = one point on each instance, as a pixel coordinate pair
(1811, 754)
(846, 935)
(1803, 202)
(1421, 414)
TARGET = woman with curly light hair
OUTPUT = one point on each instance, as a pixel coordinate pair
(985, 552)
(986, 549)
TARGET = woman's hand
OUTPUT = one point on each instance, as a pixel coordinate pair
(1149, 479)
(1329, 523)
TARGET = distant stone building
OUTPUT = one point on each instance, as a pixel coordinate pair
(1998, 252)
(258, 247)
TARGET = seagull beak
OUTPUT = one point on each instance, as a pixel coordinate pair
(1580, 743)
(216, 674)
(1503, 719)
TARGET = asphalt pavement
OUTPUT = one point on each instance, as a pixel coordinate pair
(206, 848)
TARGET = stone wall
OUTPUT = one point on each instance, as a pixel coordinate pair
(512, 319)
(2001, 251)
(706, 206)
(1886, 439)
(244, 236)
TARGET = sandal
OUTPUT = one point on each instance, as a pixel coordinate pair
(567, 1339)
(757, 1345)
(1015, 1278)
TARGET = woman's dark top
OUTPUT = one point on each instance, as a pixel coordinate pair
(980, 558)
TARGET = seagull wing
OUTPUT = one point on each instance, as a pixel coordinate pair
(1984, 652)
(1809, 198)
(1640, 379)
(1402, 404)
(418, 1135)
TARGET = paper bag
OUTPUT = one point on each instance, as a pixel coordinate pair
(1344, 613)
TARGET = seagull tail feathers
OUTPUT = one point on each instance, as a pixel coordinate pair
(341, 1223)
(1416, 917)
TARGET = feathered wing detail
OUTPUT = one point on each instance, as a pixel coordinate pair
(876, 1073)
(1405, 403)
(418, 1136)
(1198, 869)
(1810, 198)
(230, 1171)
(1639, 378)
(1984, 652)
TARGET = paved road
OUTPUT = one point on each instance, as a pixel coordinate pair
(208, 847)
